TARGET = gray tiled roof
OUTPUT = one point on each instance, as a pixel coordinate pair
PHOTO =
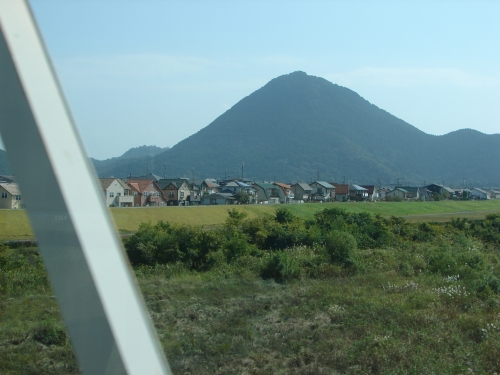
(12, 188)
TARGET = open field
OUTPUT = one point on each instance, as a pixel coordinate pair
(366, 296)
(14, 224)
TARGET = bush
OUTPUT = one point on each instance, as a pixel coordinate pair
(341, 248)
(281, 266)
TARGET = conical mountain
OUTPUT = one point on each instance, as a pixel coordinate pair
(297, 125)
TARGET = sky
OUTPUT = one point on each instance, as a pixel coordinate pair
(155, 72)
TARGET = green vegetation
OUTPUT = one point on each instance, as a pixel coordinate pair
(343, 292)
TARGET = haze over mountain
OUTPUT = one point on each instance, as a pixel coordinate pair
(297, 125)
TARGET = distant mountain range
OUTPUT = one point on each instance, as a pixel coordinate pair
(298, 126)
(138, 155)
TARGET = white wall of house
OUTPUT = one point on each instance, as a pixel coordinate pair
(480, 194)
(112, 192)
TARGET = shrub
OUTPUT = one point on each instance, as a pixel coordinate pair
(281, 266)
(284, 216)
(341, 248)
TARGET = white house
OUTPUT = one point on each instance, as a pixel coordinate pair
(10, 196)
(480, 194)
(116, 193)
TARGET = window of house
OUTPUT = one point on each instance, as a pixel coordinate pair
(135, 194)
(18, 197)
(182, 194)
(151, 193)
(111, 194)
(145, 193)
(158, 194)
(170, 193)
(118, 194)
(4, 194)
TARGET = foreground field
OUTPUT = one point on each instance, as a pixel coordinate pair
(360, 295)
(14, 224)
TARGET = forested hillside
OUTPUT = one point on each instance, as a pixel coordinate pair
(298, 124)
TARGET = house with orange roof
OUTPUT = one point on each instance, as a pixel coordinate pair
(287, 192)
(146, 193)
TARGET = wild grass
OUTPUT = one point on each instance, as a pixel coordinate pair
(426, 301)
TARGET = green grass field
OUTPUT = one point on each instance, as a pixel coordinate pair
(14, 224)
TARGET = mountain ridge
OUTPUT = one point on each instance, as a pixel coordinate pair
(298, 125)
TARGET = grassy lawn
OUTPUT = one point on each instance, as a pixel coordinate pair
(15, 224)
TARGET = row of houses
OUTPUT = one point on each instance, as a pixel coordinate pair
(155, 191)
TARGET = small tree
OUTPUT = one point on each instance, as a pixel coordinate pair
(242, 197)
(341, 247)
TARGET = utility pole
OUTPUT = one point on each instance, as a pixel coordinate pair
(193, 173)
(164, 170)
(242, 168)
(225, 174)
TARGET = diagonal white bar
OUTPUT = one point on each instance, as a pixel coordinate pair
(98, 297)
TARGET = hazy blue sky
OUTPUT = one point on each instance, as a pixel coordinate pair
(155, 72)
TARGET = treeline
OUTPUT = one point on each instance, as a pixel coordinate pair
(335, 243)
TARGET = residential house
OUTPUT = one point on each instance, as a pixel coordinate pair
(494, 194)
(322, 191)
(10, 196)
(209, 186)
(116, 193)
(268, 193)
(442, 190)
(287, 192)
(341, 191)
(397, 193)
(412, 191)
(235, 186)
(372, 192)
(302, 192)
(194, 194)
(146, 193)
(357, 192)
(382, 192)
(480, 193)
(176, 191)
(217, 198)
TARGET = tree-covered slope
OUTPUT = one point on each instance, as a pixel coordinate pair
(140, 156)
(298, 124)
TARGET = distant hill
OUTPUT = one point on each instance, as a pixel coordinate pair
(143, 151)
(298, 124)
(139, 156)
